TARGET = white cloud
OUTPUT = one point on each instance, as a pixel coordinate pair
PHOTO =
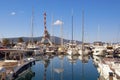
(13, 13)
(58, 22)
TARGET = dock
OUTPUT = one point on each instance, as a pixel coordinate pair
(22, 68)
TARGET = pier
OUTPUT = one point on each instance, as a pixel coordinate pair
(22, 68)
(15, 65)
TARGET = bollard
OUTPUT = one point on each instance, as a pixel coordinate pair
(110, 76)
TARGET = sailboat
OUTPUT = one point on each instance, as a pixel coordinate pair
(61, 49)
(31, 45)
(72, 48)
(99, 47)
(82, 50)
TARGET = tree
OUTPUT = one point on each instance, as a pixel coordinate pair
(20, 39)
(5, 42)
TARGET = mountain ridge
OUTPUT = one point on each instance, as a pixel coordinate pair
(55, 39)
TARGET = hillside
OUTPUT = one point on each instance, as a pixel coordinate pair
(57, 40)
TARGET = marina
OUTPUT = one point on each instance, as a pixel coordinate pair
(46, 60)
(59, 40)
(61, 66)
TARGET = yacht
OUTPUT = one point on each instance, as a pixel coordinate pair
(34, 48)
(104, 70)
(109, 69)
(109, 49)
(86, 50)
(116, 52)
(72, 46)
(72, 49)
(83, 49)
(50, 49)
(98, 49)
(20, 46)
(61, 50)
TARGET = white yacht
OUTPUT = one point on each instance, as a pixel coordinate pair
(109, 49)
(35, 48)
(109, 69)
(50, 49)
(85, 51)
(72, 49)
(98, 50)
(32, 46)
(72, 46)
(20, 46)
(104, 70)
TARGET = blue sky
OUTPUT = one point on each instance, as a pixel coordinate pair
(102, 18)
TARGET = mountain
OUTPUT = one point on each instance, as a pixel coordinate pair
(55, 39)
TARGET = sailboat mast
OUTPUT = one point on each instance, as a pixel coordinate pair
(52, 38)
(82, 29)
(72, 45)
(32, 25)
(61, 26)
(72, 27)
(82, 43)
(98, 33)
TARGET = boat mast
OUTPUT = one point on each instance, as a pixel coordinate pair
(61, 26)
(72, 45)
(98, 33)
(72, 29)
(32, 18)
(82, 30)
(52, 38)
(82, 43)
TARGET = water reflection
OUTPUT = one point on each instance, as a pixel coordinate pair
(72, 58)
(58, 70)
(26, 75)
(65, 67)
(46, 62)
(84, 58)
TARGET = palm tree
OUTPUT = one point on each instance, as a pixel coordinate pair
(20, 40)
(5, 42)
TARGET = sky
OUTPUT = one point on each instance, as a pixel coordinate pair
(101, 19)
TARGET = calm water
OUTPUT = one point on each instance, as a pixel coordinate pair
(64, 68)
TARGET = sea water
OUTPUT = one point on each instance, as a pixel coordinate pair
(65, 67)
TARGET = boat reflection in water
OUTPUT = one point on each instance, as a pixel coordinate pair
(26, 75)
(65, 67)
